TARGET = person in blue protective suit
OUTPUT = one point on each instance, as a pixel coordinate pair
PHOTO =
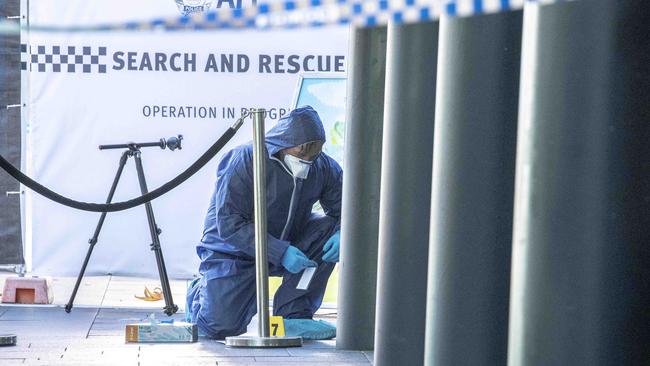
(223, 300)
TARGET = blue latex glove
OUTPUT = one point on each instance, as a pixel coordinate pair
(295, 261)
(331, 248)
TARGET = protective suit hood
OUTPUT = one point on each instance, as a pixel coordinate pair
(302, 125)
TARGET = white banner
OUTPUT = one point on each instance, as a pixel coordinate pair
(88, 89)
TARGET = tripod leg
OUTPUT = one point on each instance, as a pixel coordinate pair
(170, 308)
(93, 240)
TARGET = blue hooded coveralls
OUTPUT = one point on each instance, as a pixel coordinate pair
(223, 301)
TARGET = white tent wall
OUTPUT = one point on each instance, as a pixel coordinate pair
(71, 113)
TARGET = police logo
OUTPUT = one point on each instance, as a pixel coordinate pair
(187, 7)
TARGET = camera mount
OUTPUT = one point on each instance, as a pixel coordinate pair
(133, 150)
(172, 143)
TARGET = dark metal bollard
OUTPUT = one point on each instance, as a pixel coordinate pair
(361, 182)
(405, 193)
(473, 189)
(581, 255)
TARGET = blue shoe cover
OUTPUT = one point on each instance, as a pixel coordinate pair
(188, 316)
(309, 329)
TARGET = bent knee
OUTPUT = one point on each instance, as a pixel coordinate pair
(218, 328)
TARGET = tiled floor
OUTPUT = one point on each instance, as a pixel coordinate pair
(93, 334)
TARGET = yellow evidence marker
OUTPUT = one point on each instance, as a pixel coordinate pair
(277, 326)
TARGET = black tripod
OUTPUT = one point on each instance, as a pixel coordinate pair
(134, 151)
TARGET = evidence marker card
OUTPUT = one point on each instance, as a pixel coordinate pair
(307, 275)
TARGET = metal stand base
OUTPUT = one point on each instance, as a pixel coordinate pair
(7, 340)
(263, 342)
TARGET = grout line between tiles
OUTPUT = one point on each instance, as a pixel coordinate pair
(101, 304)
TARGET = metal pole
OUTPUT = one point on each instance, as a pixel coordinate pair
(581, 260)
(405, 193)
(170, 308)
(259, 184)
(93, 240)
(360, 218)
(11, 250)
(260, 156)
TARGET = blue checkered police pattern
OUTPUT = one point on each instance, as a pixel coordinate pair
(312, 13)
(83, 59)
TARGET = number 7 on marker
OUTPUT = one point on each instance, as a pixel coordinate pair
(277, 326)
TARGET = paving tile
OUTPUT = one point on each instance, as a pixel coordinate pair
(203, 355)
(121, 291)
(328, 355)
(98, 353)
(124, 316)
(104, 341)
(304, 362)
(64, 362)
(11, 351)
(110, 324)
(195, 362)
(46, 324)
(34, 342)
(330, 344)
(106, 332)
(48, 313)
(208, 350)
(90, 293)
(370, 355)
(49, 336)
(191, 359)
(30, 349)
(118, 347)
(12, 362)
(43, 357)
(115, 360)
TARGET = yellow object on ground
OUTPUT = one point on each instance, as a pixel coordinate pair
(277, 326)
(156, 295)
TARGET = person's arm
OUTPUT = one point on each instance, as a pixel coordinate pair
(330, 198)
(234, 208)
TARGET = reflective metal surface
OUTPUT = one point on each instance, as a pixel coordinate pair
(263, 342)
(259, 184)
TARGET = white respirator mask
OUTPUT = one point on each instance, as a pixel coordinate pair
(298, 167)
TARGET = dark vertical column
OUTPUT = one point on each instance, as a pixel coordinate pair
(473, 190)
(11, 249)
(405, 193)
(581, 257)
(361, 182)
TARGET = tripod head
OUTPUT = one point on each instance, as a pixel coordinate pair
(171, 143)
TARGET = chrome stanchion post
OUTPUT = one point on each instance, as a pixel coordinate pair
(259, 184)
(261, 258)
